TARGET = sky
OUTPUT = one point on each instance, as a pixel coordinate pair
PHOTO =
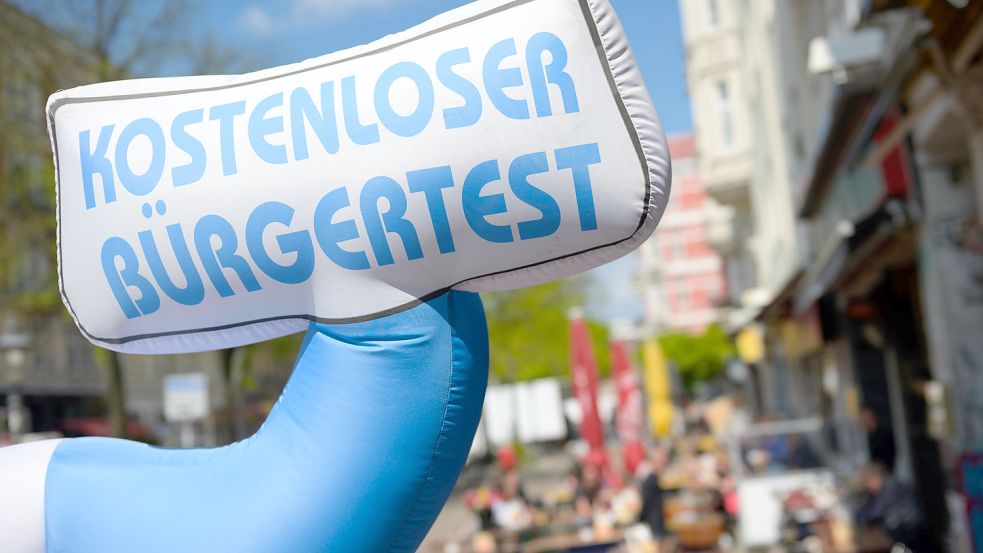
(274, 32)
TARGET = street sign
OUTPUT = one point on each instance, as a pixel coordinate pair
(185, 397)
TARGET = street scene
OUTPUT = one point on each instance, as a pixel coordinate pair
(792, 362)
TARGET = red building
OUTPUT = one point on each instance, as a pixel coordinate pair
(682, 278)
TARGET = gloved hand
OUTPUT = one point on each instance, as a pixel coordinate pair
(358, 455)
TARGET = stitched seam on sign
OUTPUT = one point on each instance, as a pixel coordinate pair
(440, 437)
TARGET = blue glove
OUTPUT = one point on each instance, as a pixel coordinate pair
(359, 454)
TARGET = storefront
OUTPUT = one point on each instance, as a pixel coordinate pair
(865, 214)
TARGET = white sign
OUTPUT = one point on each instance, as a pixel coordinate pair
(529, 412)
(185, 397)
(499, 145)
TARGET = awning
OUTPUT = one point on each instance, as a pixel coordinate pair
(849, 112)
(861, 104)
(820, 277)
(850, 252)
(781, 304)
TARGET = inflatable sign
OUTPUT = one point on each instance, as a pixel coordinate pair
(357, 456)
(499, 145)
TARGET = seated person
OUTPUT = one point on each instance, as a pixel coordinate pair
(588, 495)
(893, 508)
(510, 508)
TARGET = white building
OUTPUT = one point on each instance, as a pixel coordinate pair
(844, 138)
(755, 111)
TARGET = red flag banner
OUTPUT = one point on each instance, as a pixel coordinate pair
(629, 423)
(583, 372)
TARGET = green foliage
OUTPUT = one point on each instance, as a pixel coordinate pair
(698, 358)
(599, 337)
(529, 333)
(54, 45)
(28, 281)
(280, 351)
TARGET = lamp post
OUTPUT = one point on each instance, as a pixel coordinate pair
(14, 348)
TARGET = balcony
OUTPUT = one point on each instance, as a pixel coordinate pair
(727, 176)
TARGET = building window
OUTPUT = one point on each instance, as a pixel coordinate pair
(725, 115)
(682, 295)
(677, 244)
(713, 13)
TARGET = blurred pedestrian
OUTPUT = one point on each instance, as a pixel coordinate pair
(510, 508)
(589, 491)
(511, 487)
(880, 439)
(653, 496)
(893, 508)
(479, 501)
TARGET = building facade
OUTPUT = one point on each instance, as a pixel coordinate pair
(865, 147)
(682, 276)
(752, 119)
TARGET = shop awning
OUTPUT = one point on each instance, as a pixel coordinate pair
(781, 304)
(849, 252)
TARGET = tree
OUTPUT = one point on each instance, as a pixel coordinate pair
(239, 373)
(92, 41)
(126, 38)
(698, 357)
(28, 285)
(529, 335)
(35, 61)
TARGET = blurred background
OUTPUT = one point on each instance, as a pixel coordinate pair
(794, 361)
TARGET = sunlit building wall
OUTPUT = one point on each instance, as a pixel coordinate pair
(755, 113)
(682, 276)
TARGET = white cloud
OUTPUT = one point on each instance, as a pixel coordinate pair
(303, 13)
(257, 21)
(328, 10)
